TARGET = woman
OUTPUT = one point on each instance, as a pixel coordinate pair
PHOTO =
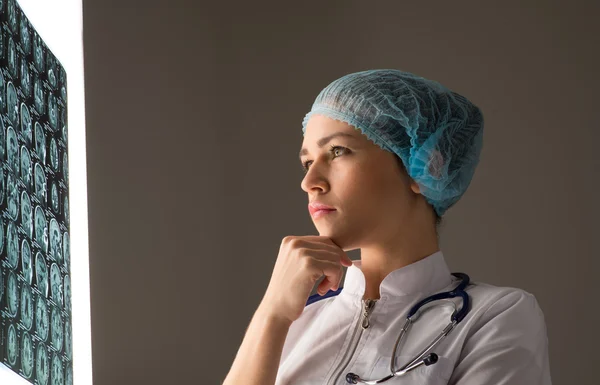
(386, 153)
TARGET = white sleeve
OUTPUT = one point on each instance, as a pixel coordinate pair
(508, 346)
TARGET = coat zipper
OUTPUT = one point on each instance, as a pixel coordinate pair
(363, 323)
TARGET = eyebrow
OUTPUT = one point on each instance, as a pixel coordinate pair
(323, 141)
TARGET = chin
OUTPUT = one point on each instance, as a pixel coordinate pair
(345, 241)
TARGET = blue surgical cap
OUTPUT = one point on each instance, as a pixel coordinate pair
(437, 133)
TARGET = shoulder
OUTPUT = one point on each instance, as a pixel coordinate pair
(507, 313)
(504, 339)
(490, 301)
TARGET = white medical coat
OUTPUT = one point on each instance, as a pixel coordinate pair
(501, 341)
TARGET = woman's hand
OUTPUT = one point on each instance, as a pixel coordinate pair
(302, 260)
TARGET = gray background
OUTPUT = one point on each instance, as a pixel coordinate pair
(193, 128)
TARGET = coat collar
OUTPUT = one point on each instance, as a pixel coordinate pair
(424, 276)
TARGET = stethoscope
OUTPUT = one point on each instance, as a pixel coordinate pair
(423, 357)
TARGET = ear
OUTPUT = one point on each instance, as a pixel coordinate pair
(414, 186)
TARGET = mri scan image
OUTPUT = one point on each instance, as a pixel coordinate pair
(12, 245)
(65, 167)
(68, 340)
(27, 267)
(62, 121)
(57, 376)
(66, 208)
(42, 325)
(40, 143)
(35, 272)
(12, 104)
(12, 57)
(12, 294)
(64, 127)
(38, 53)
(55, 241)
(26, 215)
(56, 284)
(26, 307)
(2, 187)
(52, 75)
(39, 96)
(12, 345)
(12, 16)
(62, 77)
(69, 376)
(40, 182)
(3, 149)
(41, 229)
(26, 355)
(2, 46)
(25, 167)
(67, 290)
(53, 112)
(12, 149)
(26, 126)
(56, 329)
(54, 197)
(66, 250)
(12, 192)
(25, 35)
(54, 154)
(41, 274)
(25, 78)
(42, 366)
(2, 245)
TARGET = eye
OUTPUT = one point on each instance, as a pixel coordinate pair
(332, 150)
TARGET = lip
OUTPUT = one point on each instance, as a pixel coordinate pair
(315, 207)
(319, 213)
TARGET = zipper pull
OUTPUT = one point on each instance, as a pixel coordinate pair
(368, 306)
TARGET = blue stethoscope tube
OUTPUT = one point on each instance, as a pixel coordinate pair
(424, 358)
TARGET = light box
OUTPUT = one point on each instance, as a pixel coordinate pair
(45, 335)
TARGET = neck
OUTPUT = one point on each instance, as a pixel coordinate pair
(381, 258)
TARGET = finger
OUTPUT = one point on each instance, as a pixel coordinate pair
(325, 243)
(333, 273)
(339, 282)
(346, 261)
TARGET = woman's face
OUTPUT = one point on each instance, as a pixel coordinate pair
(373, 196)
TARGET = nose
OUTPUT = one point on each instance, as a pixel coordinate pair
(313, 179)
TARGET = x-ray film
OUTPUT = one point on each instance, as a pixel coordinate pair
(35, 284)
